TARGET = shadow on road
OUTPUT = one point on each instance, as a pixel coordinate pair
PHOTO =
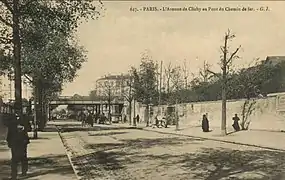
(207, 163)
(41, 166)
(67, 129)
(108, 133)
(226, 163)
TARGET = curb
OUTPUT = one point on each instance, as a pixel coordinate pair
(68, 154)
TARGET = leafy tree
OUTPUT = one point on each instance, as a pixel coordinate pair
(19, 18)
(145, 82)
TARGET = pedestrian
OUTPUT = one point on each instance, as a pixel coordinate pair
(205, 123)
(18, 140)
(125, 118)
(236, 123)
(138, 118)
(90, 119)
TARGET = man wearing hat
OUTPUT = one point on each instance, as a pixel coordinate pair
(18, 141)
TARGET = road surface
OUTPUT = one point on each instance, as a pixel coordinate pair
(111, 153)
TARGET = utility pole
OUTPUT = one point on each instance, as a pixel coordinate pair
(160, 82)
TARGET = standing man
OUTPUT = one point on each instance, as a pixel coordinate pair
(18, 141)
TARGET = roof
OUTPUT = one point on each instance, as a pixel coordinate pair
(274, 60)
(114, 77)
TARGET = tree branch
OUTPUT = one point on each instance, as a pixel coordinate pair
(213, 73)
(222, 49)
(233, 54)
(26, 76)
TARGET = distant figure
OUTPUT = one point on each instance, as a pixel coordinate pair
(90, 119)
(205, 123)
(125, 118)
(97, 116)
(236, 123)
(138, 118)
(158, 119)
(18, 141)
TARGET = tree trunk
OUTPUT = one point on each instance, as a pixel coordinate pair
(134, 119)
(109, 111)
(130, 112)
(17, 58)
(40, 98)
(35, 112)
(148, 115)
(224, 90)
(224, 113)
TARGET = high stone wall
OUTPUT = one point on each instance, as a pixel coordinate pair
(264, 117)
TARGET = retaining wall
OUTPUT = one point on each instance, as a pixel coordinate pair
(264, 117)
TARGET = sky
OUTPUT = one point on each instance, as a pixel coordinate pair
(116, 40)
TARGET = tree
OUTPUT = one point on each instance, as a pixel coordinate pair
(145, 82)
(17, 17)
(185, 74)
(128, 93)
(93, 96)
(204, 72)
(226, 67)
(107, 93)
(50, 66)
(168, 71)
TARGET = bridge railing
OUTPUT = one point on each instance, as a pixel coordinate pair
(67, 102)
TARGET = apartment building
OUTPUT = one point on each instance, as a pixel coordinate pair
(113, 85)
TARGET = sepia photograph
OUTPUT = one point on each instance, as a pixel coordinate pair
(142, 90)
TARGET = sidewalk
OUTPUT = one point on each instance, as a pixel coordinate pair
(47, 158)
(263, 139)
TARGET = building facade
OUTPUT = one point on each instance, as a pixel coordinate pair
(113, 86)
(7, 89)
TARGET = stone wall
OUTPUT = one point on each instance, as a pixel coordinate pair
(264, 117)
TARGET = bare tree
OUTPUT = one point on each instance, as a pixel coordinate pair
(176, 78)
(226, 67)
(204, 72)
(185, 74)
(107, 92)
(168, 71)
(128, 95)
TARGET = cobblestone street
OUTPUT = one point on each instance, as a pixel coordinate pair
(124, 153)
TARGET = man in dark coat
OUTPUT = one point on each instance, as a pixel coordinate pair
(18, 141)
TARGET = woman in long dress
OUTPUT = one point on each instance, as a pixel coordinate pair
(205, 123)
